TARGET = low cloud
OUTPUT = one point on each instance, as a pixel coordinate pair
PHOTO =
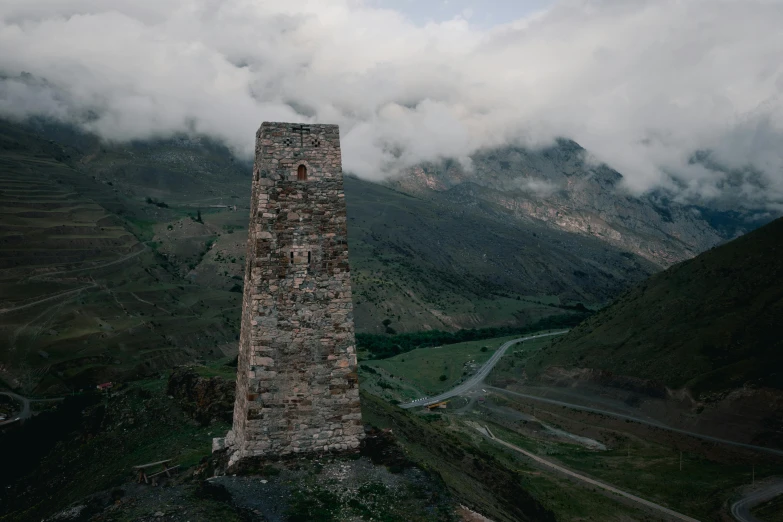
(539, 187)
(643, 85)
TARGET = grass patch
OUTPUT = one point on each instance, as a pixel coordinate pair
(423, 368)
(651, 471)
(101, 444)
(142, 229)
(219, 368)
(383, 346)
(771, 511)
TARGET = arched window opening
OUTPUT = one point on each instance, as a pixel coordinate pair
(301, 173)
(292, 257)
(308, 257)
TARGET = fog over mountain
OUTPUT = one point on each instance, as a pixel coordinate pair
(680, 95)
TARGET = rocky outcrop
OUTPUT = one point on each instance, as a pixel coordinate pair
(560, 187)
(203, 398)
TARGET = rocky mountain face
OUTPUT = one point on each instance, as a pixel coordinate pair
(559, 188)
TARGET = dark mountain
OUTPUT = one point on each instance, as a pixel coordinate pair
(437, 262)
(710, 324)
(697, 346)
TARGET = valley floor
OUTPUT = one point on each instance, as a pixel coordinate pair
(694, 475)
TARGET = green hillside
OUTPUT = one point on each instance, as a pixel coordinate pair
(431, 264)
(711, 323)
(84, 297)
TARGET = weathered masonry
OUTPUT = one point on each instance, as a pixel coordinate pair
(297, 386)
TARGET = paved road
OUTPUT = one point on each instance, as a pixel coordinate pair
(740, 510)
(640, 421)
(21, 417)
(26, 413)
(588, 480)
(478, 377)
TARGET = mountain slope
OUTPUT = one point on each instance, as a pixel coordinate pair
(430, 264)
(447, 259)
(560, 188)
(710, 324)
(84, 297)
(421, 263)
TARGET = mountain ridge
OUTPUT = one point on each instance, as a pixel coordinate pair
(559, 187)
(709, 324)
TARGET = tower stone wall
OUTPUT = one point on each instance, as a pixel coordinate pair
(297, 386)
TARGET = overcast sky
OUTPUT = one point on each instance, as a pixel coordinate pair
(480, 13)
(641, 84)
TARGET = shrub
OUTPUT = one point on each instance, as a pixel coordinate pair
(387, 345)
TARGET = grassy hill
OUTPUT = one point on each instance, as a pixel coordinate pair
(709, 324)
(84, 296)
(431, 264)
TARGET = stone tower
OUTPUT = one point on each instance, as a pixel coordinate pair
(297, 387)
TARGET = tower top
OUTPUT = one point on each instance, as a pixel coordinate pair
(298, 152)
(299, 135)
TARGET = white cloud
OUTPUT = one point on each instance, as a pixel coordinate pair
(641, 84)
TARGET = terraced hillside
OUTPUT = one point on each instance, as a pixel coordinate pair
(47, 228)
(82, 300)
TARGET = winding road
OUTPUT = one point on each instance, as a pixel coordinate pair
(740, 510)
(652, 505)
(21, 417)
(25, 413)
(638, 420)
(48, 298)
(476, 379)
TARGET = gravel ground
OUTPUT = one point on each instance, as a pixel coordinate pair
(328, 489)
(338, 489)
